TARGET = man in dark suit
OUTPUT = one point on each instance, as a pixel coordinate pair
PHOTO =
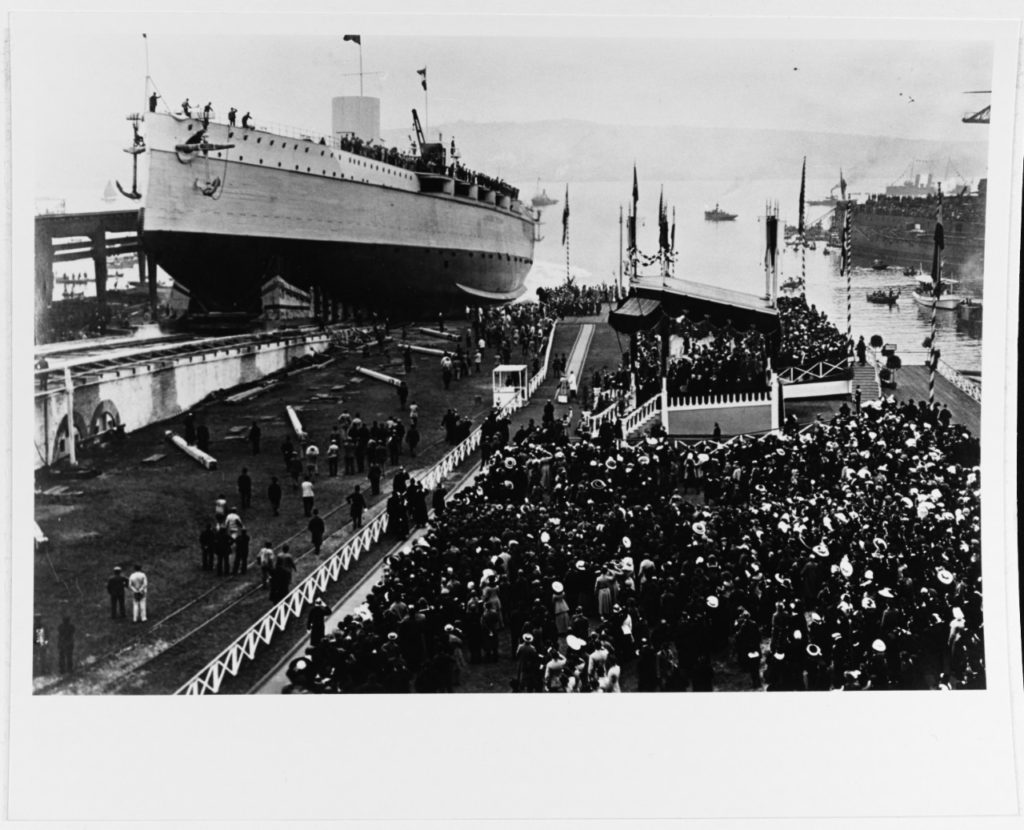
(357, 504)
(116, 586)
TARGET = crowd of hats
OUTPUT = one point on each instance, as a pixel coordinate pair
(571, 300)
(727, 361)
(842, 556)
(523, 325)
(808, 336)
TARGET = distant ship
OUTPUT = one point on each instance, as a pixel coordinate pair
(228, 208)
(898, 228)
(542, 200)
(718, 215)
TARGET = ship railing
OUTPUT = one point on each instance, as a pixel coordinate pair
(243, 648)
(819, 371)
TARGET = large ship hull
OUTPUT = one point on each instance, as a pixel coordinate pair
(223, 222)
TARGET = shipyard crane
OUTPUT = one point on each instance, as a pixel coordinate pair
(982, 115)
(430, 152)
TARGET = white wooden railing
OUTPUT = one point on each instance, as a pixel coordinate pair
(961, 382)
(643, 413)
(230, 661)
(722, 399)
(819, 371)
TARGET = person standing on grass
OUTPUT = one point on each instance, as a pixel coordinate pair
(403, 394)
(66, 645)
(374, 474)
(245, 488)
(207, 542)
(254, 438)
(357, 504)
(274, 495)
(116, 586)
(138, 583)
(313, 461)
(308, 496)
(222, 547)
(349, 445)
(241, 565)
(265, 559)
(333, 451)
(281, 577)
(316, 531)
(220, 509)
(412, 438)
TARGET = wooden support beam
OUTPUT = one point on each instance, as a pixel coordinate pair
(372, 373)
(293, 416)
(447, 335)
(207, 460)
(423, 349)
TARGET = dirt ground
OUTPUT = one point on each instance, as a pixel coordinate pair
(151, 514)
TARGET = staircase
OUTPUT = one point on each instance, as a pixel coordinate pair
(867, 380)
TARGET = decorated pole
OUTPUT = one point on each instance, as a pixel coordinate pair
(800, 229)
(620, 248)
(565, 234)
(845, 267)
(933, 353)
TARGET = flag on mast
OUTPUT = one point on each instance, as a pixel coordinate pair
(354, 38)
(565, 216)
(423, 77)
(636, 189)
(940, 243)
(842, 184)
(803, 182)
(662, 222)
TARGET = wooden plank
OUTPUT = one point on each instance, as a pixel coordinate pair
(207, 460)
(912, 384)
(152, 459)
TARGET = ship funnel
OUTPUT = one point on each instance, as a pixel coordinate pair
(357, 115)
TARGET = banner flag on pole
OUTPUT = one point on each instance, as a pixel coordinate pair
(803, 181)
(354, 38)
(940, 243)
(423, 77)
(565, 216)
(636, 189)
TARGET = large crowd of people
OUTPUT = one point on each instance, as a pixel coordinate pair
(572, 300)
(842, 556)
(954, 208)
(808, 336)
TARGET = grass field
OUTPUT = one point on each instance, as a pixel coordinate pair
(151, 514)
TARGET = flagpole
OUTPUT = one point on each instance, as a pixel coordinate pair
(845, 263)
(360, 67)
(620, 247)
(933, 360)
(567, 272)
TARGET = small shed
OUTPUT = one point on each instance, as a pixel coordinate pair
(510, 384)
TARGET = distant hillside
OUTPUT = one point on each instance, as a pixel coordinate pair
(584, 151)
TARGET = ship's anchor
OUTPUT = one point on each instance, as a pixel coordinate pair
(210, 187)
(138, 146)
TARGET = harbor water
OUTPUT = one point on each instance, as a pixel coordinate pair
(731, 254)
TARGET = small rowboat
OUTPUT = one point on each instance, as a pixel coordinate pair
(884, 296)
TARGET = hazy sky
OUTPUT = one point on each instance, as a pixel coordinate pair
(94, 78)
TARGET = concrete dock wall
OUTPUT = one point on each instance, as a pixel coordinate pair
(140, 394)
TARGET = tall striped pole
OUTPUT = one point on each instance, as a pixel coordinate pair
(801, 229)
(845, 266)
(933, 354)
(565, 233)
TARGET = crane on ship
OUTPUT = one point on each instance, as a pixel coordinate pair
(982, 115)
